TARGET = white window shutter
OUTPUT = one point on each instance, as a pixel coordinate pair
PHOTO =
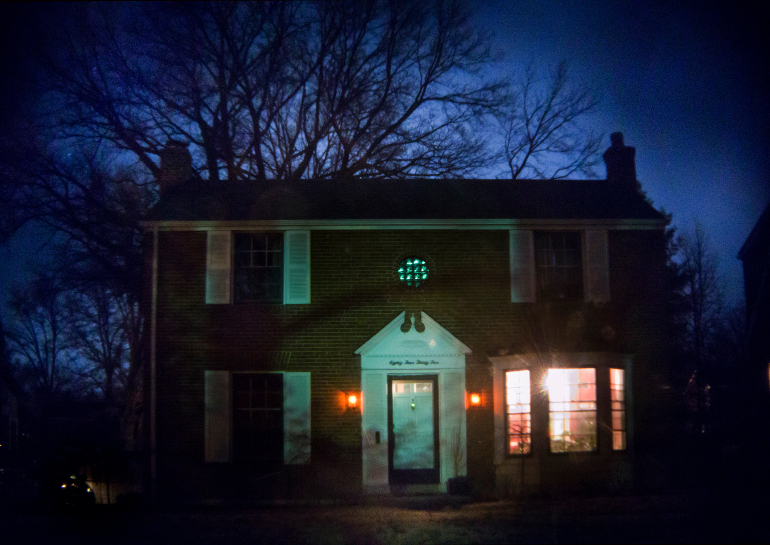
(296, 418)
(522, 254)
(218, 258)
(597, 266)
(217, 416)
(296, 268)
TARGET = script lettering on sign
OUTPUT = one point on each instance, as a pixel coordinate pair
(418, 362)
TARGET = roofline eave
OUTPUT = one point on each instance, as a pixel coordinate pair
(410, 224)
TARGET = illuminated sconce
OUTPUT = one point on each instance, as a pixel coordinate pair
(475, 400)
(352, 399)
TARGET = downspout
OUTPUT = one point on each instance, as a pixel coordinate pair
(153, 363)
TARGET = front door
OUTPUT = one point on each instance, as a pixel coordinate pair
(413, 455)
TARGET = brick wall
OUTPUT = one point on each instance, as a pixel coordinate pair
(355, 292)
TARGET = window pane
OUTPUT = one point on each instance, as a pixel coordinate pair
(617, 394)
(517, 396)
(273, 259)
(559, 270)
(242, 243)
(258, 419)
(258, 243)
(413, 271)
(258, 263)
(572, 408)
(242, 259)
(402, 387)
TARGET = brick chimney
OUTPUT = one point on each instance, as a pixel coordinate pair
(621, 162)
(175, 165)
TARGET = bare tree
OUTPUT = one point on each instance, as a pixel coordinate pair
(88, 208)
(36, 340)
(542, 134)
(703, 294)
(104, 328)
(89, 211)
(702, 321)
(96, 332)
(280, 90)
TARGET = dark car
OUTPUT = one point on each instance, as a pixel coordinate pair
(74, 491)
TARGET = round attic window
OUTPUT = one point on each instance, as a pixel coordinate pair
(413, 271)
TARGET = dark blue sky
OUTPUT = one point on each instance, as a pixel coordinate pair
(686, 83)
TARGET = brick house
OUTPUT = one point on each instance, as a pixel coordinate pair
(339, 337)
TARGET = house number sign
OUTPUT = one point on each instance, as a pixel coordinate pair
(418, 362)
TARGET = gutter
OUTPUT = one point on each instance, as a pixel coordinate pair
(153, 364)
(406, 223)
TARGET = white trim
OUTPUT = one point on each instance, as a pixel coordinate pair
(596, 266)
(376, 368)
(218, 416)
(219, 250)
(410, 224)
(296, 267)
(395, 325)
(296, 417)
(522, 266)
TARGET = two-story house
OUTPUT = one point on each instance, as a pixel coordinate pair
(337, 337)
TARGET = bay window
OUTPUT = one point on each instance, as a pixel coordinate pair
(572, 409)
(518, 414)
(618, 400)
(578, 408)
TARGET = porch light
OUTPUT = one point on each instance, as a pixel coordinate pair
(475, 400)
(352, 400)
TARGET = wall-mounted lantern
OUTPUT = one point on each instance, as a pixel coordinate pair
(475, 399)
(353, 400)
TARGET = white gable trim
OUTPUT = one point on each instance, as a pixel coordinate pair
(378, 345)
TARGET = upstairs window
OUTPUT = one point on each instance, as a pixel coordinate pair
(258, 263)
(572, 409)
(258, 267)
(558, 266)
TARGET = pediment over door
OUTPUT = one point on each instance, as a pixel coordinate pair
(433, 347)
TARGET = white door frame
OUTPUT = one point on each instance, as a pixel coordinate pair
(392, 353)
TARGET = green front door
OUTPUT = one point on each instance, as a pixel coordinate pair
(413, 429)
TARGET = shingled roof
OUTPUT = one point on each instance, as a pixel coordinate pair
(401, 199)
